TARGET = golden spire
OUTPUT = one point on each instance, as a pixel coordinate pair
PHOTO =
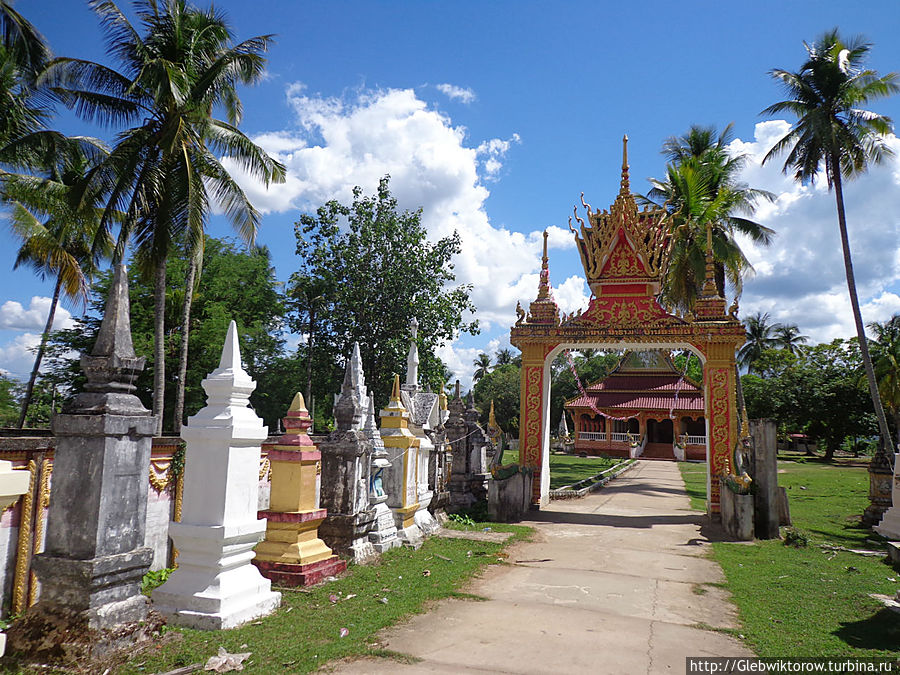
(298, 404)
(395, 392)
(492, 420)
(545, 259)
(544, 283)
(709, 283)
(442, 397)
(625, 186)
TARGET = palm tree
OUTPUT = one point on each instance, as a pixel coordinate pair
(482, 366)
(701, 189)
(833, 130)
(760, 337)
(787, 336)
(886, 361)
(162, 173)
(504, 356)
(56, 217)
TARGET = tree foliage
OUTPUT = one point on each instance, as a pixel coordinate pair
(234, 284)
(374, 270)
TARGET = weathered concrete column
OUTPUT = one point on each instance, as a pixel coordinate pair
(215, 585)
(890, 523)
(13, 484)
(346, 458)
(383, 534)
(400, 478)
(94, 555)
(765, 477)
(293, 554)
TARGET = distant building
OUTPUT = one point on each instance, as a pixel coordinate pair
(659, 414)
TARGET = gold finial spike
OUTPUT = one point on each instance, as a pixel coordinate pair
(458, 390)
(298, 404)
(492, 419)
(625, 187)
(395, 392)
(544, 260)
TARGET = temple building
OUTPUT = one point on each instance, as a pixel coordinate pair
(644, 407)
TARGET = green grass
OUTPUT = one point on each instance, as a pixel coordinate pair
(812, 601)
(694, 474)
(568, 469)
(305, 632)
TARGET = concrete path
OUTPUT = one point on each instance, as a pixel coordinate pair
(615, 582)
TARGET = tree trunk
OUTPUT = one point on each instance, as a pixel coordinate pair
(29, 390)
(178, 417)
(159, 343)
(857, 314)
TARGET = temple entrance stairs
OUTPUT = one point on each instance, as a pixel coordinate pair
(658, 451)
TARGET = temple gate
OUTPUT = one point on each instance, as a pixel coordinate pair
(625, 252)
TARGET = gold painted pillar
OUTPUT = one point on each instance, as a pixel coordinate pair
(720, 397)
(531, 393)
(403, 448)
(292, 553)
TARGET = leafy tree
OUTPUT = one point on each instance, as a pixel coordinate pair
(760, 336)
(834, 130)
(234, 284)
(503, 357)
(377, 271)
(482, 366)
(56, 215)
(590, 369)
(788, 337)
(886, 358)
(701, 191)
(501, 386)
(9, 407)
(162, 172)
(23, 54)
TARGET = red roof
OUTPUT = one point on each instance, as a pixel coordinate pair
(653, 390)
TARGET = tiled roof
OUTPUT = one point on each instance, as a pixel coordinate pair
(687, 400)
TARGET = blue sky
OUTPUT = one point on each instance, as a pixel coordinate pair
(494, 116)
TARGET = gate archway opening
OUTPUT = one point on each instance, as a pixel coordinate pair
(625, 252)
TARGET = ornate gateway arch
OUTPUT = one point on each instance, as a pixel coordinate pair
(625, 253)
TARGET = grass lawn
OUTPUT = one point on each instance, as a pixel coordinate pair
(305, 632)
(568, 469)
(811, 601)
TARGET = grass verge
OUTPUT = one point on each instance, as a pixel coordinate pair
(569, 469)
(811, 601)
(305, 632)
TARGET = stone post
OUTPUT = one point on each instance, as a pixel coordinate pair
(13, 484)
(765, 478)
(215, 585)
(346, 456)
(94, 554)
(456, 429)
(292, 553)
(403, 449)
(881, 480)
(383, 534)
(889, 526)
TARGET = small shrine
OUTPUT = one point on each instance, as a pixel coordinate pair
(625, 253)
(643, 408)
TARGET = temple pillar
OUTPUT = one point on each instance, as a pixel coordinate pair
(720, 396)
(531, 395)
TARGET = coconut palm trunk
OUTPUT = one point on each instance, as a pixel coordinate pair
(857, 314)
(29, 390)
(159, 343)
(196, 262)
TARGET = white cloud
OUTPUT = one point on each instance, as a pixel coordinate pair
(15, 317)
(570, 295)
(16, 357)
(800, 278)
(336, 144)
(454, 93)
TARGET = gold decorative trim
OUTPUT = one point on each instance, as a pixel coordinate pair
(20, 580)
(264, 468)
(40, 521)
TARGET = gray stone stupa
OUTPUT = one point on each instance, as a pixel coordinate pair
(94, 556)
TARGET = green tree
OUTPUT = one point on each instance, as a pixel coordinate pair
(886, 361)
(590, 369)
(482, 366)
(787, 336)
(501, 386)
(163, 173)
(234, 283)
(378, 271)
(23, 54)
(503, 357)
(701, 191)
(760, 337)
(9, 407)
(828, 95)
(56, 216)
